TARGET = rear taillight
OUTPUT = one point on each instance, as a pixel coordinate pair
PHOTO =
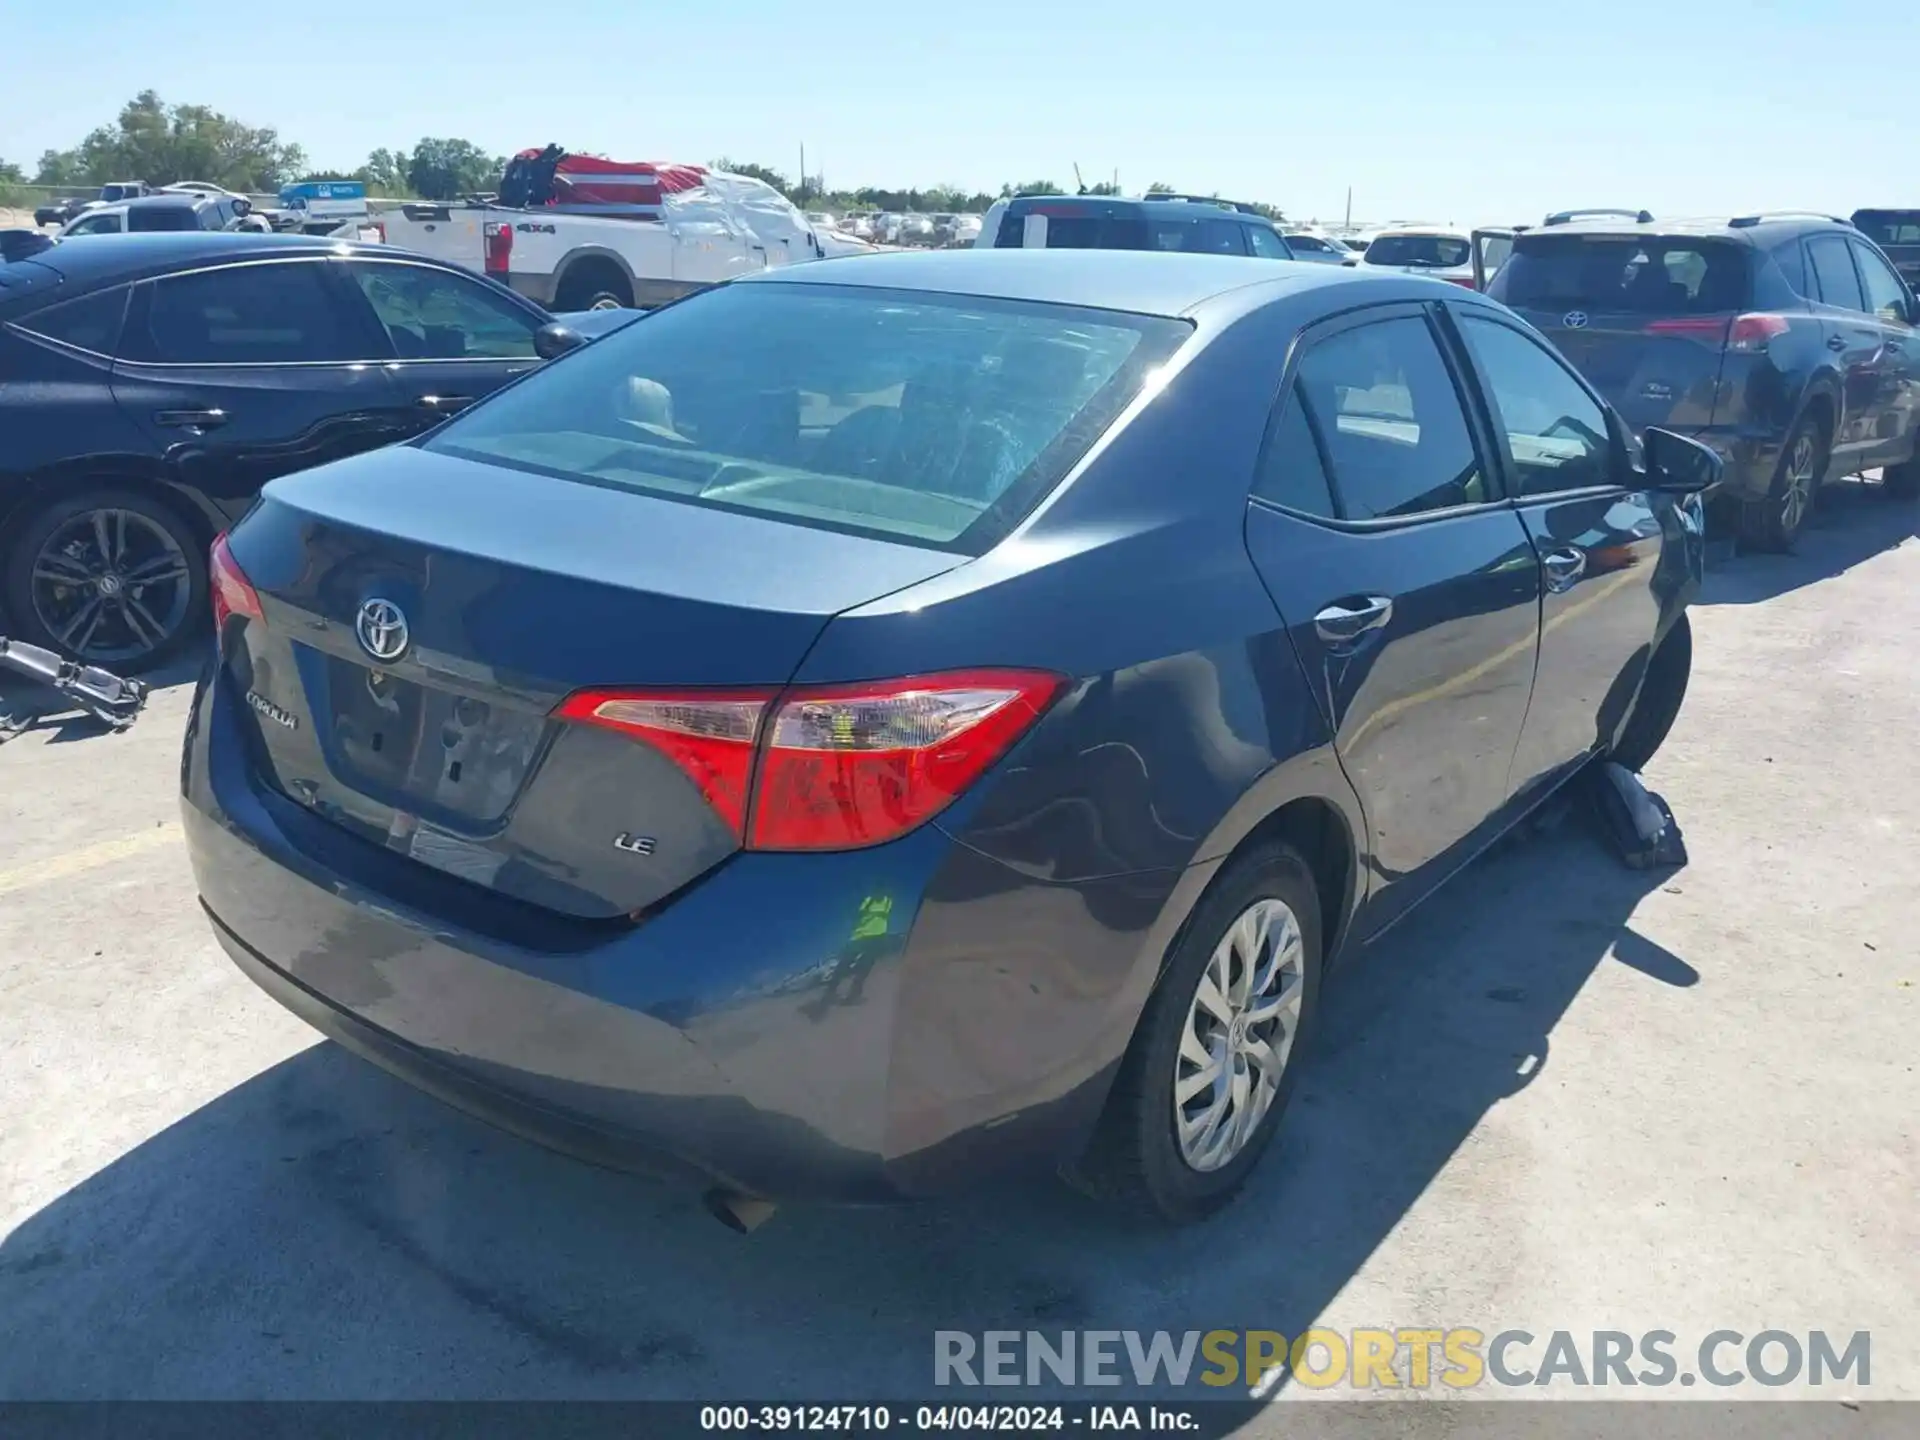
(840, 766)
(854, 765)
(1752, 332)
(1691, 327)
(233, 594)
(1743, 332)
(499, 239)
(1463, 280)
(709, 735)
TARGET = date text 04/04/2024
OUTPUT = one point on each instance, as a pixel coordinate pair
(879, 1419)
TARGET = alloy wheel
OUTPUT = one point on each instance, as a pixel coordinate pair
(1239, 1034)
(111, 585)
(1797, 495)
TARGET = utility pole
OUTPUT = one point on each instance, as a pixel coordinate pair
(803, 172)
(1349, 219)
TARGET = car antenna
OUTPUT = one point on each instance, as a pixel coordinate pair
(1077, 180)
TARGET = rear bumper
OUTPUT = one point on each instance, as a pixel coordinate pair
(740, 1034)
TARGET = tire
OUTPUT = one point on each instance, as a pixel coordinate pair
(594, 286)
(1136, 1160)
(1902, 482)
(1662, 689)
(1776, 523)
(130, 626)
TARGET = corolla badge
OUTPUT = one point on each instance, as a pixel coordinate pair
(382, 629)
(1574, 319)
(272, 711)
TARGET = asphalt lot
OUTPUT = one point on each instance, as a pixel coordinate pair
(1565, 1095)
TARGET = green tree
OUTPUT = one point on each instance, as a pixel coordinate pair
(160, 143)
(385, 173)
(1030, 187)
(1160, 187)
(447, 169)
(11, 174)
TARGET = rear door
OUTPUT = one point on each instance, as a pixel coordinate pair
(1645, 318)
(1490, 251)
(1891, 305)
(1407, 584)
(1857, 340)
(241, 373)
(1598, 540)
(450, 339)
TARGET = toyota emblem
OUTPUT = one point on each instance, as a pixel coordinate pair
(382, 629)
(1574, 319)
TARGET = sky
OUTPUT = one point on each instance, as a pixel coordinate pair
(1479, 112)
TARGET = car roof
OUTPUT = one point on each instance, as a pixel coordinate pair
(180, 199)
(1161, 207)
(85, 261)
(1752, 227)
(1143, 282)
(1420, 232)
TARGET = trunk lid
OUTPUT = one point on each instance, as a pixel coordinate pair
(1644, 317)
(514, 590)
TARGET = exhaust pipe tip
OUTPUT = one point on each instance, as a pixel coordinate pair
(742, 1214)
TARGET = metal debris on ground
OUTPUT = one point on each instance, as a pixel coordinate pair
(1638, 821)
(110, 699)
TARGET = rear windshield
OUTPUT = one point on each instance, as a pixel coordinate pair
(1618, 274)
(163, 217)
(1204, 234)
(932, 419)
(1442, 252)
(1889, 227)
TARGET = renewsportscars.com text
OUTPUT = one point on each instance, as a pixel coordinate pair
(1404, 1358)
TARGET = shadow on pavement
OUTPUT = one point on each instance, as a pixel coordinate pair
(323, 1231)
(1855, 521)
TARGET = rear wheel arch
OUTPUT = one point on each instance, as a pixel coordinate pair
(20, 503)
(1822, 405)
(586, 273)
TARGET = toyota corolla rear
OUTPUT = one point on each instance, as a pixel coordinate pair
(507, 777)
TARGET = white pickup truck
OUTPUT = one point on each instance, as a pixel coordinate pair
(570, 258)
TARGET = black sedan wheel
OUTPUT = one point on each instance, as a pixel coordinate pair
(111, 577)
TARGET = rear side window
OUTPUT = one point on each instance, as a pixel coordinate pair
(1792, 261)
(1388, 416)
(91, 322)
(1293, 473)
(1269, 246)
(432, 315)
(933, 419)
(1199, 237)
(244, 315)
(1439, 252)
(1832, 265)
(1625, 275)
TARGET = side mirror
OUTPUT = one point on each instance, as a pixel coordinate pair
(242, 206)
(1678, 465)
(552, 341)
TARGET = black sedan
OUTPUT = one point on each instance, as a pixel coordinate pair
(150, 384)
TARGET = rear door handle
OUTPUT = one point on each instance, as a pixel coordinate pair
(1836, 342)
(1344, 622)
(190, 419)
(444, 404)
(1564, 567)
